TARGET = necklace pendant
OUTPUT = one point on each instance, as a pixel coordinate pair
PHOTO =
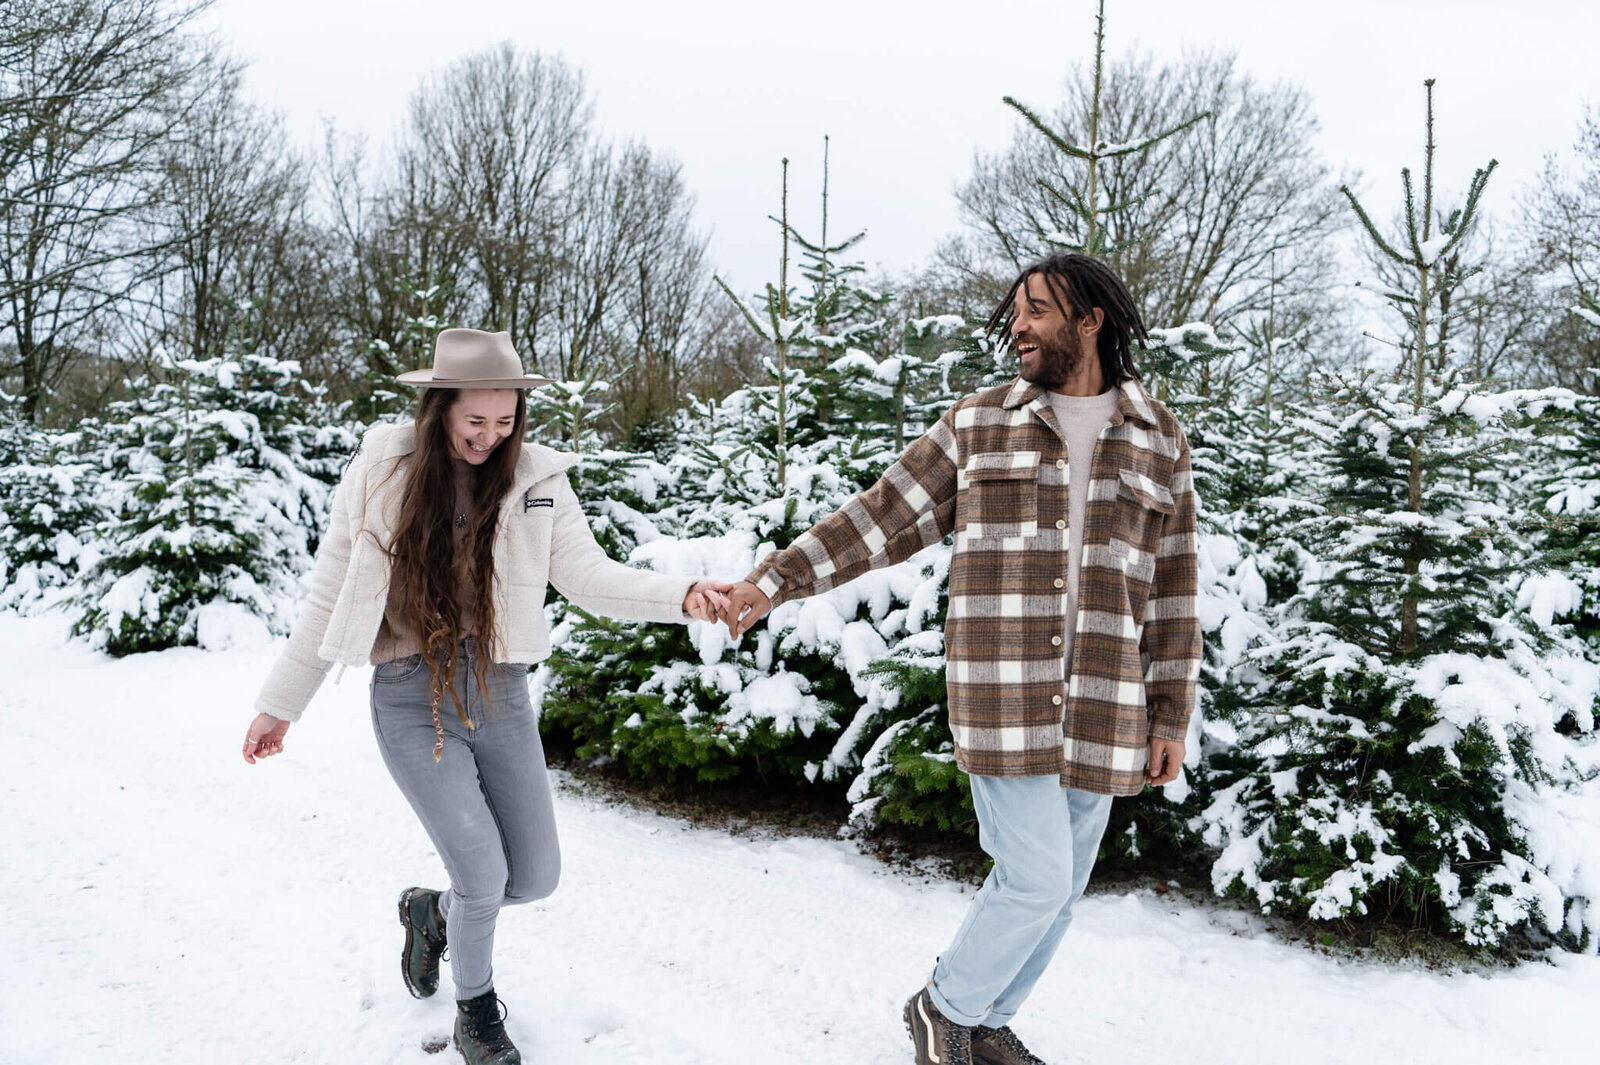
(461, 521)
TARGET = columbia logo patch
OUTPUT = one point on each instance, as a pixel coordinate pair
(529, 502)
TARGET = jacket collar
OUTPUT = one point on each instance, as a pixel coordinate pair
(1132, 400)
(386, 441)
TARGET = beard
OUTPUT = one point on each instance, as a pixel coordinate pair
(1055, 361)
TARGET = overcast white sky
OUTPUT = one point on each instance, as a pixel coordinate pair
(907, 91)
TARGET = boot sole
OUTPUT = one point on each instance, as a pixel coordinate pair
(405, 952)
(457, 1041)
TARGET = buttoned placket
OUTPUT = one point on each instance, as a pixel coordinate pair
(1047, 414)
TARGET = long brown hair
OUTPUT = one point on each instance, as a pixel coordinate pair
(424, 560)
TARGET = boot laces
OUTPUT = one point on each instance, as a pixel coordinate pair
(1006, 1039)
(485, 1022)
(957, 1038)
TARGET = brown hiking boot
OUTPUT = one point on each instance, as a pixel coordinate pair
(425, 942)
(1000, 1046)
(939, 1041)
(481, 1032)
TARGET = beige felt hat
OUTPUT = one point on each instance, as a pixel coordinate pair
(472, 358)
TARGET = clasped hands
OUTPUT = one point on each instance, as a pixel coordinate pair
(737, 604)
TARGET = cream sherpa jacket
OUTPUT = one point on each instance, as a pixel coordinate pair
(542, 538)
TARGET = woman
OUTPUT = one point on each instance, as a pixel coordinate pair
(443, 535)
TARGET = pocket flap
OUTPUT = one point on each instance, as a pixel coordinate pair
(1002, 466)
(1146, 491)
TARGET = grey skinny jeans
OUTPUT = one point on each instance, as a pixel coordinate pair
(485, 804)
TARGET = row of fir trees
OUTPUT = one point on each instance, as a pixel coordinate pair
(1400, 583)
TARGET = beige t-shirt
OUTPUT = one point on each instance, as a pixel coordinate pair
(1081, 418)
(395, 638)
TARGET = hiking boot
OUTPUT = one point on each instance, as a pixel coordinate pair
(1000, 1046)
(481, 1032)
(425, 940)
(939, 1041)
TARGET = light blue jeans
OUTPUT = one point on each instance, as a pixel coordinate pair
(485, 804)
(1043, 839)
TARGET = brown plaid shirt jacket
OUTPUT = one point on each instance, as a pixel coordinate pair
(994, 471)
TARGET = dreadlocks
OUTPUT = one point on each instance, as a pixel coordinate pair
(1079, 283)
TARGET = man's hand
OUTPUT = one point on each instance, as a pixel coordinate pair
(1166, 758)
(706, 600)
(744, 606)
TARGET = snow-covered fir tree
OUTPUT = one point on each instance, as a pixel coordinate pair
(49, 503)
(566, 414)
(1412, 744)
(1565, 490)
(797, 698)
(217, 480)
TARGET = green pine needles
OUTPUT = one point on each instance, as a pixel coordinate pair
(1404, 729)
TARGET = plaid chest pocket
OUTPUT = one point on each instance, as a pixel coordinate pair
(1142, 509)
(997, 495)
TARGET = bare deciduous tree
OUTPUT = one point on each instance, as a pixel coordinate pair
(1200, 217)
(402, 262)
(496, 143)
(507, 212)
(1560, 232)
(90, 90)
(239, 257)
(661, 290)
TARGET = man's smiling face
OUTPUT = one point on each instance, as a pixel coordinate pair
(1048, 349)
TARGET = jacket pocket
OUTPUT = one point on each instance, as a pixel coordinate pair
(1142, 509)
(1145, 492)
(1000, 494)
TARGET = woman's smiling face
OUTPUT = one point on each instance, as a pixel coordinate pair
(478, 420)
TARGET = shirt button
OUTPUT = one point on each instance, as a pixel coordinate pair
(1055, 641)
(1061, 464)
(1060, 583)
(1061, 523)
(1056, 699)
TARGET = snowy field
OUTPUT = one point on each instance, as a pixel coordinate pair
(168, 903)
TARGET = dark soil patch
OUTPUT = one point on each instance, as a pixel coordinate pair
(758, 809)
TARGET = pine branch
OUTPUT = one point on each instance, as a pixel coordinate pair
(1059, 140)
(1127, 204)
(1070, 198)
(1148, 142)
(1480, 179)
(1372, 230)
(817, 249)
(1411, 218)
(1118, 249)
(749, 316)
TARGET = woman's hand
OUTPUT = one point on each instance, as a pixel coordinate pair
(264, 737)
(707, 599)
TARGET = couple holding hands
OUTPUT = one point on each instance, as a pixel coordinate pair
(1072, 640)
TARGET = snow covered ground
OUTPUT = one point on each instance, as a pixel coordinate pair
(166, 902)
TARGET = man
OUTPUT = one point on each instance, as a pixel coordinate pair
(1072, 641)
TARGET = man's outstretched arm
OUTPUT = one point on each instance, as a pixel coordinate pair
(911, 506)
